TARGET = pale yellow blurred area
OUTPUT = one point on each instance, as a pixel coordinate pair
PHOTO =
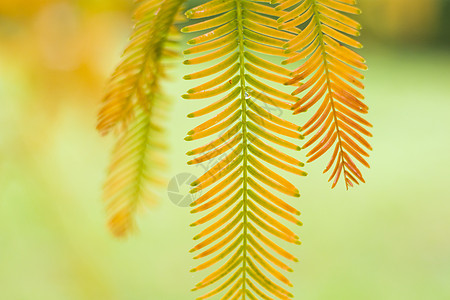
(386, 240)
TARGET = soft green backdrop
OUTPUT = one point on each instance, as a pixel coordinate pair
(386, 240)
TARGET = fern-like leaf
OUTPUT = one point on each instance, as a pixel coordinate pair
(134, 98)
(237, 202)
(133, 173)
(332, 75)
(137, 75)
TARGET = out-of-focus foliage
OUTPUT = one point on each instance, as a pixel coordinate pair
(415, 21)
(64, 44)
(135, 106)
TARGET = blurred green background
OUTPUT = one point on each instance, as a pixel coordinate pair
(386, 240)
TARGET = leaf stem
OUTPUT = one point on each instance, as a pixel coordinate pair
(244, 139)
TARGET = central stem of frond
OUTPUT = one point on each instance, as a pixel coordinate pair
(244, 137)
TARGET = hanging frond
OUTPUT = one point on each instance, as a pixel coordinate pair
(239, 189)
(332, 79)
(133, 174)
(134, 98)
(137, 75)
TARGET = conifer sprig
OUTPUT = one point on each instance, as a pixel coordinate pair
(332, 83)
(135, 106)
(240, 203)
